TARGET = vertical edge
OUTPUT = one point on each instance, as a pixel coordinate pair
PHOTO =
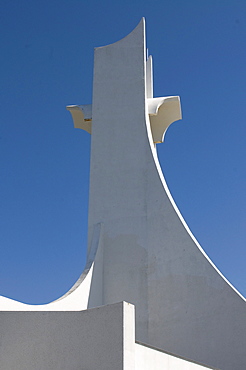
(96, 296)
(128, 336)
(149, 77)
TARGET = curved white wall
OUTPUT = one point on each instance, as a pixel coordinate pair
(150, 258)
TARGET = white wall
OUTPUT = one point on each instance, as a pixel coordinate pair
(100, 338)
(149, 256)
(148, 358)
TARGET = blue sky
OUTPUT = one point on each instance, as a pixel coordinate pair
(47, 63)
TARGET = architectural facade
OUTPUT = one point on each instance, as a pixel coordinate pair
(140, 250)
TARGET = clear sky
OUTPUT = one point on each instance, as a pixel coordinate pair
(199, 51)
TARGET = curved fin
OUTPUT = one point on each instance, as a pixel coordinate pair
(82, 116)
(76, 298)
(163, 112)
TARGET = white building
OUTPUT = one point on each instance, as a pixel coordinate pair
(140, 251)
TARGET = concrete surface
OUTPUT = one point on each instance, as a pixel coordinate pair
(101, 338)
(146, 254)
(147, 358)
(150, 258)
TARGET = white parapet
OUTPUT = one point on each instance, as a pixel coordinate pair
(102, 338)
(147, 358)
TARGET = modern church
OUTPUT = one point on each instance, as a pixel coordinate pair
(149, 297)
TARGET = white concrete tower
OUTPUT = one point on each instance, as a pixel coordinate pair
(140, 249)
(148, 256)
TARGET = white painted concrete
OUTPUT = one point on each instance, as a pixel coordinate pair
(147, 358)
(101, 338)
(147, 255)
(150, 258)
(162, 111)
(82, 116)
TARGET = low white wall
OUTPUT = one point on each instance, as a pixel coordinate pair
(147, 358)
(100, 338)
